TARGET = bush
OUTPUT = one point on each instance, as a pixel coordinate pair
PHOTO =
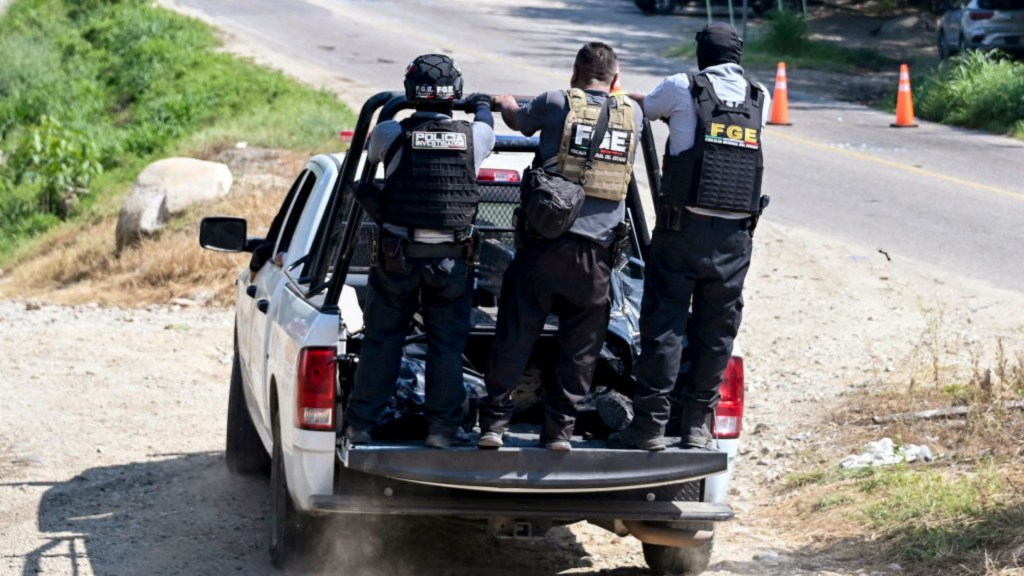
(786, 34)
(61, 162)
(976, 90)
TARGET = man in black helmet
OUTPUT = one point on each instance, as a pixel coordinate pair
(700, 250)
(424, 250)
(568, 275)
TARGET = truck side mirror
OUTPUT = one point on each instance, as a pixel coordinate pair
(223, 233)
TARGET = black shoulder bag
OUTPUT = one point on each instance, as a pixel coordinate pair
(551, 202)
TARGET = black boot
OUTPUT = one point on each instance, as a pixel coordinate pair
(696, 431)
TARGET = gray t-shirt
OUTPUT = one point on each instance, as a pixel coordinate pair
(598, 218)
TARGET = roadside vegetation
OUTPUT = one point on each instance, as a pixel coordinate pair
(975, 90)
(960, 513)
(93, 90)
(785, 38)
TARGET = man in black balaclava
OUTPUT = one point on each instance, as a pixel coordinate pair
(718, 44)
(700, 250)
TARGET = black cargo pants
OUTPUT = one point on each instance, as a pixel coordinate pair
(567, 276)
(440, 288)
(705, 262)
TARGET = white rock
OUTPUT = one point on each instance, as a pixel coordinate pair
(167, 187)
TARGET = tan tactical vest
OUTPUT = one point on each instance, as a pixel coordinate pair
(608, 177)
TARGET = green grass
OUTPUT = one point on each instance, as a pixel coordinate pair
(933, 519)
(928, 519)
(785, 38)
(92, 90)
(974, 90)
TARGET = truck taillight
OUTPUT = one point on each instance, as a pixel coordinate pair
(729, 414)
(314, 402)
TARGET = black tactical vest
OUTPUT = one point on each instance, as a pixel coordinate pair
(722, 171)
(434, 185)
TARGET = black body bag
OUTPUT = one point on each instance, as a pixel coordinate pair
(551, 201)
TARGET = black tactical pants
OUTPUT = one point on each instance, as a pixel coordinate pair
(440, 288)
(569, 277)
(705, 263)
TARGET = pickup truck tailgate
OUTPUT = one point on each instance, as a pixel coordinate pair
(522, 479)
(522, 467)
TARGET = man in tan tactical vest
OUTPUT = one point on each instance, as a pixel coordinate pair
(568, 275)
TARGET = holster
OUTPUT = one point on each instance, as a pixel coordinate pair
(763, 203)
(472, 243)
(519, 227)
(375, 245)
(671, 214)
(620, 243)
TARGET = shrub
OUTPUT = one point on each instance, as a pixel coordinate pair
(975, 90)
(786, 33)
(61, 162)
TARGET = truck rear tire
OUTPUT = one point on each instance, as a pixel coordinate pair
(243, 450)
(293, 534)
(678, 561)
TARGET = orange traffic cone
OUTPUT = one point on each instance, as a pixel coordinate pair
(780, 99)
(904, 101)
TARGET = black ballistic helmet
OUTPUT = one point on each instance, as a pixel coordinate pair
(718, 43)
(433, 78)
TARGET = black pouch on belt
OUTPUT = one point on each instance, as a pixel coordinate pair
(392, 251)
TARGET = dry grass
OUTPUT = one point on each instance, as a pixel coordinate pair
(77, 264)
(962, 513)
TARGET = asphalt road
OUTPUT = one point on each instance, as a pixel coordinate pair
(944, 196)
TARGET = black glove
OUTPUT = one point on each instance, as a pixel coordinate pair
(476, 99)
(482, 107)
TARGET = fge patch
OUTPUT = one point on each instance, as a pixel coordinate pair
(439, 141)
(614, 146)
(732, 135)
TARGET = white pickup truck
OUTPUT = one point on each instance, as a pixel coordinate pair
(298, 331)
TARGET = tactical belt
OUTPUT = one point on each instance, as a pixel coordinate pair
(445, 250)
(673, 217)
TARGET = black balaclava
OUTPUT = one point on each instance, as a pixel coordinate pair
(718, 43)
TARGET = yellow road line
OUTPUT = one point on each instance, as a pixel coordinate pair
(892, 164)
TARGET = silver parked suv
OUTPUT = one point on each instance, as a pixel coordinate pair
(982, 25)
